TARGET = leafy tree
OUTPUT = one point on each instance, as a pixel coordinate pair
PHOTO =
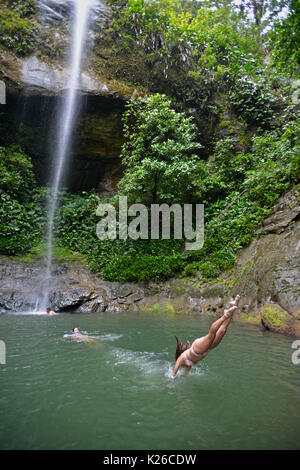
(16, 172)
(22, 213)
(159, 152)
(21, 223)
(286, 41)
(256, 103)
(205, 42)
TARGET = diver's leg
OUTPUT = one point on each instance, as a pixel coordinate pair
(223, 328)
(220, 333)
(204, 344)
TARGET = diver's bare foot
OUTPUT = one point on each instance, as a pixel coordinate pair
(235, 302)
(228, 313)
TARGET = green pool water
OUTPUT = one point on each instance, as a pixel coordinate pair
(117, 393)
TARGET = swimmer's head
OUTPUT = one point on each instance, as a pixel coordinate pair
(75, 330)
(48, 310)
(181, 347)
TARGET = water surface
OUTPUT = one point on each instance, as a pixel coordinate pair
(117, 393)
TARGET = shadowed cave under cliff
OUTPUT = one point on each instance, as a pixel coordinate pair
(30, 119)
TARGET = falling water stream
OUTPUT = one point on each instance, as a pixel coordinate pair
(66, 121)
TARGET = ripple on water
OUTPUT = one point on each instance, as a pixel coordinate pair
(108, 337)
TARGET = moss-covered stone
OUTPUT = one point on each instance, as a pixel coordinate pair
(155, 305)
(276, 318)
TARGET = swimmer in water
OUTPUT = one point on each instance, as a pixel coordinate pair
(76, 333)
(187, 355)
(50, 312)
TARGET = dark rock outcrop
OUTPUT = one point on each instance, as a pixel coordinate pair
(73, 288)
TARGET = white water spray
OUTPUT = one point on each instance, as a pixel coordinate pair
(66, 123)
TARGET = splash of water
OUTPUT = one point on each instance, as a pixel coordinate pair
(82, 9)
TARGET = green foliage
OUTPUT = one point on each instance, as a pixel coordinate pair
(209, 41)
(218, 262)
(23, 7)
(285, 40)
(76, 221)
(16, 172)
(276, 165)
(141, 268)
(158, 155)
(22, 214)
(225, 169)
(38, 252)
(18, 31)
(258, 179)
(21, 224)
(254, 102)
(115, 259)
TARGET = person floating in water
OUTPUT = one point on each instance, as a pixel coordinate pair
(80, 336)
(186, 355)
(50, 312)
(76, 333)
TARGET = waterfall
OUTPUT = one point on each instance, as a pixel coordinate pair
(66, 121)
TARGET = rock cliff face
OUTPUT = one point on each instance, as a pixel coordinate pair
(268, 271)
(266, 275)
(74, 288)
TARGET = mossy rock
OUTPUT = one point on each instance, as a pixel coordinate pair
(156, 305)
(276, 318)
